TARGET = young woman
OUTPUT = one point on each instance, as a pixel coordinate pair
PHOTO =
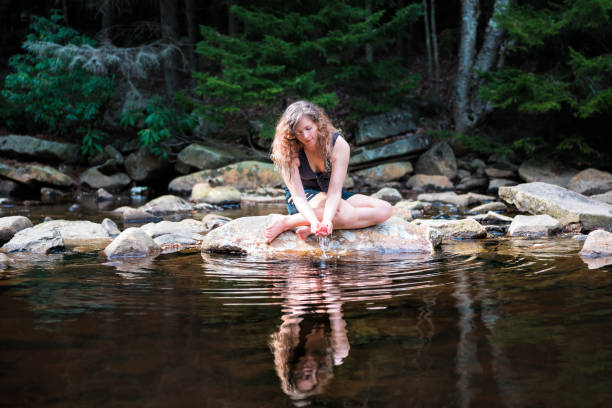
(313, 159)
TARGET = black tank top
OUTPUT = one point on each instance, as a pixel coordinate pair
(310, 178)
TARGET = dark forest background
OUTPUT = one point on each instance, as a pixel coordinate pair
(514, 78)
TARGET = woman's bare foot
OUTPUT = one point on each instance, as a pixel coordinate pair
(274, 227)
(303, 232)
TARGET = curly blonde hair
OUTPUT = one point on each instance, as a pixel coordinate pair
(286, 147)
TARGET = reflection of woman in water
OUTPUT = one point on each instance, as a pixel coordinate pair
(309, 343)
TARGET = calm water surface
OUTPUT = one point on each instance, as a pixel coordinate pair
(498, 322)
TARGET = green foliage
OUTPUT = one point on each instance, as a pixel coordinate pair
(157, 122)
(289, 54)
(475, 143)
(58, 98)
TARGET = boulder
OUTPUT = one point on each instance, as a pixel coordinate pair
(604, 198)
(472, 183)
(95, 179)
(546, 171)
(246, 175)
(426, 182)
(186, 227)
(8, 188)
(166, 204)
(170, 243)
(35, 149)
(50, 195)
(566, 206)
(5, 261)
(388, 194)
(492, 218)
(378, 127)
(144, 166)
(250, 199)
(383, 173)
(10, 225)
(459, 200)
(591, 181)
(597, 244)
(467, 228)
(212, 221)
(204, 157)
(496, 173)
(406, 214)
(42, 242)
(495, 184)
(103, 195)
(533, 226)
(114, 154)
(485, 208)
(35, 173)
(245, 235)
(379, 151)
(110, 227)
(132, 243)
(42, 238)
(221, 195)
(199, 191)
(410, 205)
(137, 216)
(439, 160)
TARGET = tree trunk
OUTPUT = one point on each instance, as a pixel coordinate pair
(232, 25)
(107, 20)
(168, 11)
(488, 58)
(467, 50)
(428, 45)
(369, 51)
(434, 41)
(65, 11)
(192, 34)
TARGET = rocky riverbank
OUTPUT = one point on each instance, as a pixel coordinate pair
(393, 161)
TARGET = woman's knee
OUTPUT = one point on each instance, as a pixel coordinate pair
(346, 214)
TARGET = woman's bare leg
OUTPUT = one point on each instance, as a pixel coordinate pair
(282, 223)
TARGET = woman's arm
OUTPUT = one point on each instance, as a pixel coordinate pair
(296, 188)
(339, 163)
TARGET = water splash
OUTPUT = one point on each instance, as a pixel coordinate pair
(323, 243)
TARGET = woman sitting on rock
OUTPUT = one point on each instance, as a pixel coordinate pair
(313, 160)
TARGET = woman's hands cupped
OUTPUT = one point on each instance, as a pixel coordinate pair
(325, 228)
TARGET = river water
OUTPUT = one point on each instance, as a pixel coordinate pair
(482, 323)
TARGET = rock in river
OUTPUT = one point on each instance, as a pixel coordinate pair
(598, 243)
(455, 229)
(532, 226)
(11, 225)
(566, 206)
(245, 235)
(132, 243)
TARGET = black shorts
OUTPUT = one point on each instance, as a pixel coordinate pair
(310, 193)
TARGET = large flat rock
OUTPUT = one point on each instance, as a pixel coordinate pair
(378, 127)
(409, 143)
(35, 148)
(246, 235)
(566, 206)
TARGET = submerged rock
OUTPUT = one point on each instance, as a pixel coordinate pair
(132, 243)
(245, 235)
(455, 229)
(566, 206)
(532, 226)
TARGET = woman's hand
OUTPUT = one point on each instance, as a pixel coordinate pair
(326, 228)
(316, 227)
